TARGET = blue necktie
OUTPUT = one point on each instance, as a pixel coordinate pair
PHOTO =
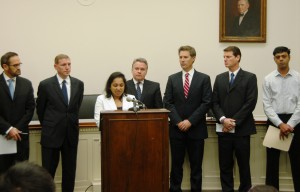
(11, 87)
(138, 91)
(231, 79)
(65, 92)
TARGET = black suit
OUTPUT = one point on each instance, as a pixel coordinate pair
(60, 127)
(193, 108)
(151, 95)
(17, 113)
(250, 25)
(237, 102)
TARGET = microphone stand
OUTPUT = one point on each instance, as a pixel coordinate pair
(135, 108)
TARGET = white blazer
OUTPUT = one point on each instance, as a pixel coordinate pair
(104, 103)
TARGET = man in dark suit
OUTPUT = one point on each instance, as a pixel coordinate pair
(234, 99)
(247, 23)
(16, 109)
(148, 92)
(188, 97)
(58, 103)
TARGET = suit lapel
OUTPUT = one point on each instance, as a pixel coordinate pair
(131, 85)
(111, 103)
(145, 89)
(194, 83)
(4, 85)
(17, 87)
(73, 90)
(56, 87)
(237, 79)
(180, 84)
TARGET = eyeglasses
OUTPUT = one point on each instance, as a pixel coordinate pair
(16, 65)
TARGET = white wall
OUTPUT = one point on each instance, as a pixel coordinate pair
(107, 35)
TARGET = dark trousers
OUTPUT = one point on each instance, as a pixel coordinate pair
(273, 156)
(229, 146)
(8, 160)
(50, 160)
(195, 150)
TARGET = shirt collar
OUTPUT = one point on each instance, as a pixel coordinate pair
(243, 14)
(135, 81)
(60, 80)
(235, 72)
(191, 72)
(7, 78)
(289, 73)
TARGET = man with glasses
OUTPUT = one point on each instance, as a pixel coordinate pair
(16, 109)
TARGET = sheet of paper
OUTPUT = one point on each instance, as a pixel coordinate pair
(7, 146)
(219, 128)
(272, 139)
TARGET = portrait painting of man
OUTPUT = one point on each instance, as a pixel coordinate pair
(242, 19)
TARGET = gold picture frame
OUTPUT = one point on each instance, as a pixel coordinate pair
(248, 27)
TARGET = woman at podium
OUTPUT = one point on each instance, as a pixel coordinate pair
(115, 97)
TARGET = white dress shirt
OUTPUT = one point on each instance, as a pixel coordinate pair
(191, 73)
(68, 84)
(141, 84)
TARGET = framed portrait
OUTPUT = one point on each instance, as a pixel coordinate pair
(243, 21)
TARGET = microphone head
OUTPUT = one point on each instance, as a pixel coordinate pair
(129, 99)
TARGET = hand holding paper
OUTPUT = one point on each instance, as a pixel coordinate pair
(273, 139)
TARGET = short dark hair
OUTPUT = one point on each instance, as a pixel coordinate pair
(111, 79)
(189, 49)
(5, 58)
(25, 177)
(235, 51)
(281, 49)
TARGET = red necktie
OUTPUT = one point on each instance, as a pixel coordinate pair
(186, 85)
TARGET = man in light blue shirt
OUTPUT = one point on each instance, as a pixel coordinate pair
(281, 100)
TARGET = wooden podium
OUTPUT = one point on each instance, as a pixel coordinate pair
(135, 151)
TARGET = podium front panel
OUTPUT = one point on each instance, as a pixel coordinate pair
(135, 151)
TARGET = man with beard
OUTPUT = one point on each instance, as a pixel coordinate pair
(16, 109)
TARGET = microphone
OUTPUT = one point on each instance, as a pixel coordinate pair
(132, 100)
(139, 104)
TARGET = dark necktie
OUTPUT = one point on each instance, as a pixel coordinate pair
(138, 90)
(65, 92)
(231, 79)
(11, 87)
(186, 85)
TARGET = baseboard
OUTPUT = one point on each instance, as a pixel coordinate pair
(96, 186)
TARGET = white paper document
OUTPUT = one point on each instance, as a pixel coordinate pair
(7, 146)
(219, 128)
(272, 139)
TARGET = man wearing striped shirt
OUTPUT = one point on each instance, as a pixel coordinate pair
(281, 100)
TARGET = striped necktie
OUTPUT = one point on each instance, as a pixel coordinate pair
(186, 85)
(138, 91)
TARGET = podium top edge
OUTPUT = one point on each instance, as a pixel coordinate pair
(140, 111)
